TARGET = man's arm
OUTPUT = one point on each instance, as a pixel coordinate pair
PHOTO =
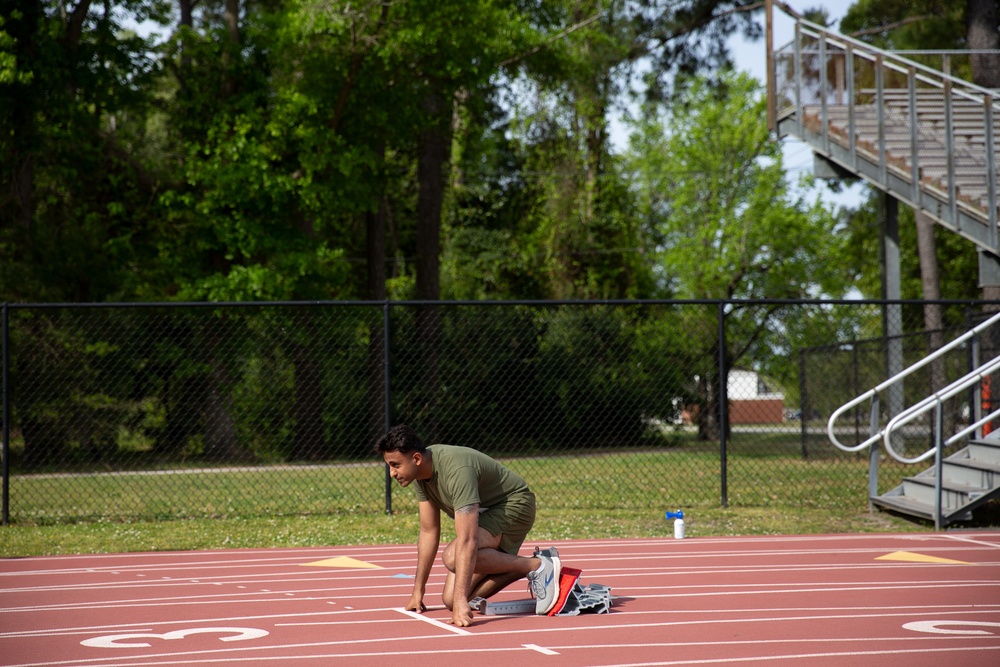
(427, 546)
(466, 551)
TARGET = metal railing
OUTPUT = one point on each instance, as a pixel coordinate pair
(821, 72)
(935, 402)
(972, 380)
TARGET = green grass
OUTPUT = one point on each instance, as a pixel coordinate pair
(605, 495)
(367, 529)
(616, 480)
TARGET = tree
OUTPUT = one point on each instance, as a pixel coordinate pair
(713, 191)
(576, 235)
(76, 189)
(73, 188)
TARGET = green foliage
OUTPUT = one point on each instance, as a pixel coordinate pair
(249, 164)
(907, 24)
(713, 190)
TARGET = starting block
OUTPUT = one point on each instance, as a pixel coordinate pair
(573, 599)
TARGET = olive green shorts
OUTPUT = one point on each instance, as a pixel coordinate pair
(512, 520)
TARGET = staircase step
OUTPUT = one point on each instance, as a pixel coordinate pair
(905, 505)
(964, 470)
(987, 451)
(954, 495)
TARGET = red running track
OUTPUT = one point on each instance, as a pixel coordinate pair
(911, 599)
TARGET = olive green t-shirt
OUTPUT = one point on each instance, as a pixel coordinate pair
(464, 476)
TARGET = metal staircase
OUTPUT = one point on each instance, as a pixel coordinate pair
(932, 141)
(955, 484)
(923, 136)
(969, 478)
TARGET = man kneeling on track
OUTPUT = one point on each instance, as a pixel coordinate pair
(493, 511)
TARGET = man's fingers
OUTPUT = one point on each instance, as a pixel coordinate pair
(461, 618)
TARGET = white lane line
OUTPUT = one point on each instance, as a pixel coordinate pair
(617, 573)
(136, 627)
(381, 621)
(456, 653)
(795, 584)
(969, 540)
(243, 597)
(830, 569)
(260, 563)
(824, 589)
(671, 549)
(802, 656)
(252, 555)
(738, 619)
(536, 647)
(433, 621)
(178, 602)
(784, 641)
(669, 554)
(443, 654)
(233, 654)
(805, 614)
(176, 583)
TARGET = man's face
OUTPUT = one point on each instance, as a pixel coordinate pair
(404, 468)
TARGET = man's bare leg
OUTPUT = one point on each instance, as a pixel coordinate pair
(492, 584)
(495, 569)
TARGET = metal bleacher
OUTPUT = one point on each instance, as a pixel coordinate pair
(928, 139)
(920, 134)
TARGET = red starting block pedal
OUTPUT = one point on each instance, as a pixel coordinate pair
(567, 581)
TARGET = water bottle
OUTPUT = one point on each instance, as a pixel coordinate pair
(678, 518)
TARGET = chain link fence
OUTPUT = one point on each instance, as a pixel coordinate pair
(119, 411)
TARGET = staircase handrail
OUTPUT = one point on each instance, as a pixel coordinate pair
(865, 49)
(933, 401)
(906, 372)
(801, 102)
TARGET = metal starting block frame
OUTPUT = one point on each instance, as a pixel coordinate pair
(594, 598)
(487, 608)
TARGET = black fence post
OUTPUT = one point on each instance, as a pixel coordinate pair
(387, 399)
(6, 415)
(723, 404)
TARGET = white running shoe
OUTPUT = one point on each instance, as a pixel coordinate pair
(544, 582)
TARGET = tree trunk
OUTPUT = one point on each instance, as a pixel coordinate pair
(432, 161)
(710, 424)
(186, 8)
(933, 315)
(231, 49)
(18, 164)
(927, 251)
(982, 19)
(310, 440)
(221, 442)
(375, 223)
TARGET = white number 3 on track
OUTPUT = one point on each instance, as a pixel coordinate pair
(119, 641)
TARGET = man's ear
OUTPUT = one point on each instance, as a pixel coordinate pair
(418, 458)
